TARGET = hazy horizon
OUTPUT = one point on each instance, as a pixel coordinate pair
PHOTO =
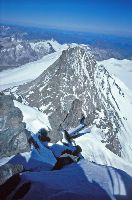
(111, 17)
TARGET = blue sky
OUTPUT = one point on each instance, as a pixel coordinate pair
(103, 16)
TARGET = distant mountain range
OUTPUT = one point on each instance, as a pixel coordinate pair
(20, 45)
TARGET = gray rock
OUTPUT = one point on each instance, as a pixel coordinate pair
(8, 170)
(13, 133)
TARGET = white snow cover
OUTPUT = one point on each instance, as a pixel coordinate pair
(122, 69)
(33, 118)
(47, 43)
(93, 149)
(84, 180)
(57, 46)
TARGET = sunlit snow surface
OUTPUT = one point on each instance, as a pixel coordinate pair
(122, 69)
(33, 118)
(92, 148)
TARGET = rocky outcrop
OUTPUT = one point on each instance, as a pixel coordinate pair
(13, 133)
(8, 170)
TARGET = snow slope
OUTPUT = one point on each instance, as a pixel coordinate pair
(122, 69)
(33, 118)
(79, 181)
(95, 151)
(92, 148)
(83, 180)
(112, 89)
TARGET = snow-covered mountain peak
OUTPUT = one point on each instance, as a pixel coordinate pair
(75, 85)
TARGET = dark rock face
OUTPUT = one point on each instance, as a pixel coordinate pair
(73, 115)
(13, 133)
